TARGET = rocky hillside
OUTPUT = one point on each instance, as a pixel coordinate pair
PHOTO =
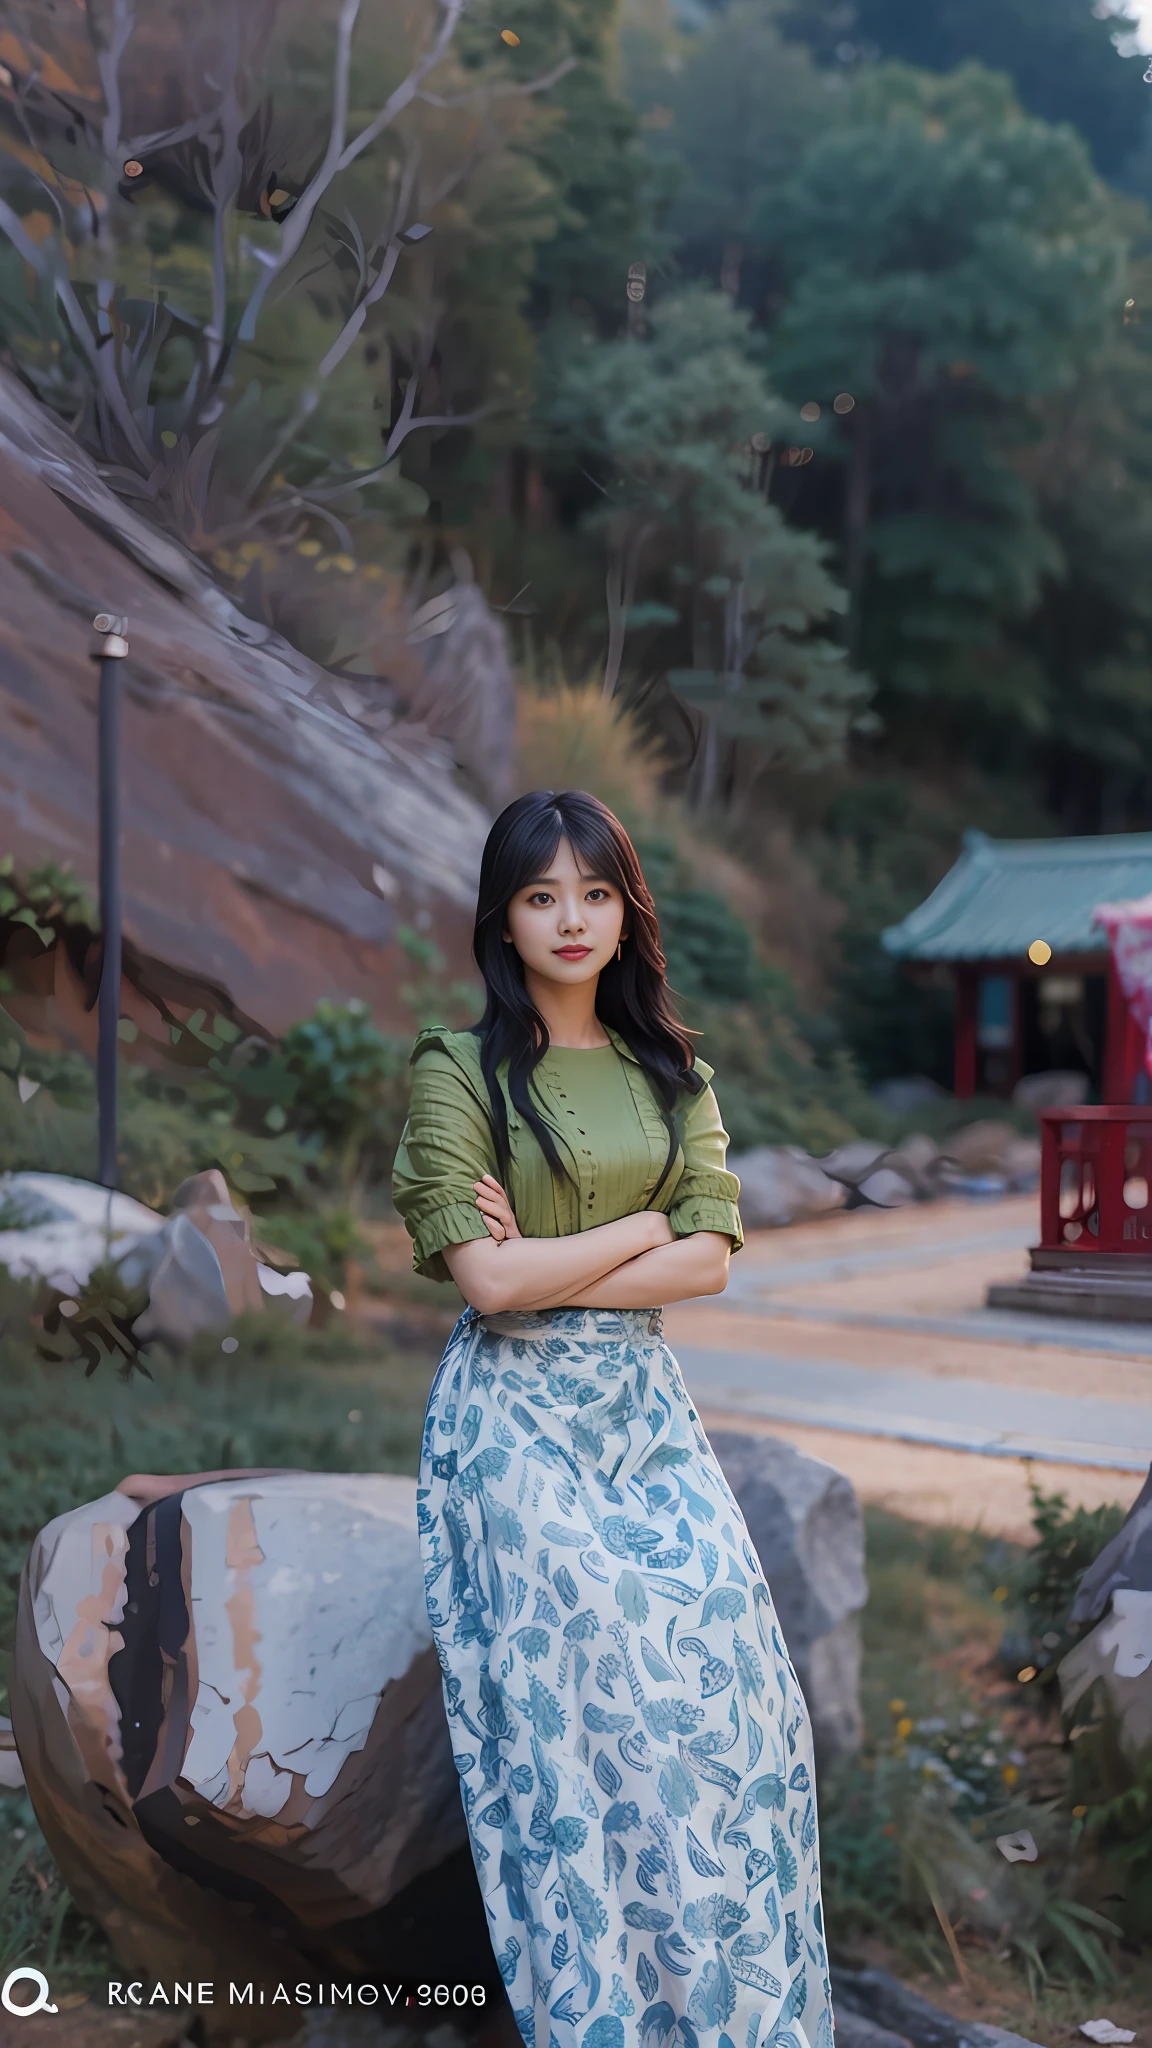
(280, 825)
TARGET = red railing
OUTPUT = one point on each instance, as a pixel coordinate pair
(1096, 1179)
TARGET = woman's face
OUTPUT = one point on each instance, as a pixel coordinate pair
(566, 923)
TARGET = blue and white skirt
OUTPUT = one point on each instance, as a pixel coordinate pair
(633, 1747)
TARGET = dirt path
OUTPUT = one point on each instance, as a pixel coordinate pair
(890, 1306)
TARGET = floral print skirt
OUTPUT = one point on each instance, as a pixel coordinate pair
(633, 1747)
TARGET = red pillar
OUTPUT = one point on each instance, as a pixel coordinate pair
(1123, 1044)
(967, 982)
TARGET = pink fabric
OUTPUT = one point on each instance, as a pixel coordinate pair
(1129, 929)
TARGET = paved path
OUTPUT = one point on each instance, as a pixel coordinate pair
(873, 1325)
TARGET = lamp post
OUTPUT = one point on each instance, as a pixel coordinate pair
(109, 647)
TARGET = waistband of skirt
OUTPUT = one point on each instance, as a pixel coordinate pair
(587, 1325)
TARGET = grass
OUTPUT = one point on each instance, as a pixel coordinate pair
(325, 1400)
(956, 1752)
(939, 1712)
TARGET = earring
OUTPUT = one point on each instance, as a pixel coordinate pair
(620, 950)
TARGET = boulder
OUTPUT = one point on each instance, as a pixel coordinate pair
(886, 1177)
(57, 1229)
(983, 1146)
(908, 1092)
(989, 1157)
(1056, 1089)
(229, 1714)
(874, 2010)
(11, 1769)
(200, 1264)
(808, 1531)
(853, 1162)
(779, 1185)
(1116, 1593)
(886, 1188)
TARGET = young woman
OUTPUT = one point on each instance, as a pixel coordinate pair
(633, 1747)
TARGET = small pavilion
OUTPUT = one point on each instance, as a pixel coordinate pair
(1011, 928)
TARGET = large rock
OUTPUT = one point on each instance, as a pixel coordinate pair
(228, 1711)
(874, 2010)
(1116, 1593)
(199, 1264)
(779, 1185)
(808, 1530)
(1058, 1088)
(989, 1146)
(281, 835)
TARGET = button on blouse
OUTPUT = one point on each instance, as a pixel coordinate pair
(610, 1133)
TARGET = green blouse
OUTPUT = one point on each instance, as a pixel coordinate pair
(609, 1131)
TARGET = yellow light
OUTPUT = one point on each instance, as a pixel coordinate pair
(1039, 952)
(513, 41)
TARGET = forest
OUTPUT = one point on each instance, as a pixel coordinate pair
(779, 368)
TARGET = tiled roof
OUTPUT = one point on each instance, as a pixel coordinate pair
(1004, 893)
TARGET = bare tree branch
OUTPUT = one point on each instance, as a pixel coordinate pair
(97, 357)
(404, 427)
(377, 289)
(108, 59)
(300, 218)
(499, 92)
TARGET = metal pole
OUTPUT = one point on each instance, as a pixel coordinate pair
(109, 648)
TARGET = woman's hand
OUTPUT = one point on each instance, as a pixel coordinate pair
(496, 1209)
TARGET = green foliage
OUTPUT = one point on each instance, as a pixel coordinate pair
(39, 1925)
(351, 1082)
(949, 263)
(710, 954)
(728, 110)
(587, 152)
(1041, 1591)
(1060, 54)
(47, 899)
(908, 1831)
(667, 423)
(881, 848)
(1067, 1541)
(752, 1027)
(273, 343)
(321, 1241)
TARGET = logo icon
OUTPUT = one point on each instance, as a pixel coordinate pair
(25, 2008)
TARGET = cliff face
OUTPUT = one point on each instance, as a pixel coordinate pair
(273, 842)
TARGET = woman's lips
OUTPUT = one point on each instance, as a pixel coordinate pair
(572, 952)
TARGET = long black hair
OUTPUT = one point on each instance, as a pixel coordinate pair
(632, 995)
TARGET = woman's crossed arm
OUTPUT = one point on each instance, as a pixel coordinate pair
(634, 1263)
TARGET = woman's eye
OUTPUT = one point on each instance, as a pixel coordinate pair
(540, 897)
(597, 895)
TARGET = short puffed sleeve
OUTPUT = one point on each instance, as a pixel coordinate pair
(706, 1193)
(446, 1146)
